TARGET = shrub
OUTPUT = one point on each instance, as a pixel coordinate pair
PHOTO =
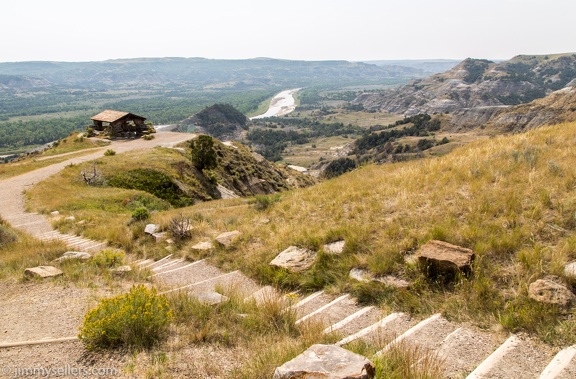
(263, 202)
(90, 132)
(109, 152)
(140, 213)
(148, 137)
(109, 258)
(137, 319)
(180, 227)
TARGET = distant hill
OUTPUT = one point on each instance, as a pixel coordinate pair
(556, 108)
(222, 121)
(425, 66)
(478, 83)
(201, 72)
(17, 83)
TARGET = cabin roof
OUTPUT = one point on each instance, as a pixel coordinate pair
(111, 116)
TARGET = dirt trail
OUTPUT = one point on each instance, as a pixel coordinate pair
(11, 190)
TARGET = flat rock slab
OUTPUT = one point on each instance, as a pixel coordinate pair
(326, 362)
(151, 229)
(228, 238)
(159, 237)
(334, 247)
(570, 270)
(203, 246)
(211, 298)
(121, 270)
(549, 291)
(294, 259)
(74, 255)
(361, 275)
(442, 258)
(43, 272)
(264, 295)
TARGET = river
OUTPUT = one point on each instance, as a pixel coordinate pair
(281, 104)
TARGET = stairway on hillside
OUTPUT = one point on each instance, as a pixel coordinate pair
(466, 351)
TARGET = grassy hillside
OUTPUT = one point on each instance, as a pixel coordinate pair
(510, 199)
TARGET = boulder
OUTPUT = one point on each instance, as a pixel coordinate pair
(550, 291)
(570, 269)
(43, 272)
(203, 246)
(54, 213)
(211, 298)
(294, 259)
(159, 237)
(264, 295)
(226, 239)
(326, 362)
(121, 270)
(151, 229)
(443, 259)
(74, 255)
(334, 247)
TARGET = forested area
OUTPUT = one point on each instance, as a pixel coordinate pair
(160, 109)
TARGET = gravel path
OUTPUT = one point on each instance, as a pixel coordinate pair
(11, 189)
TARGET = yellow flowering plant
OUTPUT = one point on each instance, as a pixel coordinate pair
(139, 318)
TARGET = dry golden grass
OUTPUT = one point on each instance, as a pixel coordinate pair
(510, 199)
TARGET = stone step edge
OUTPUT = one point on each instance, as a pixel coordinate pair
(494, 358)
(340, 324)
(176, 269)
(321, 309)
(162, 261)
(559, 363)
(171, 262)
(201, 282)
(422, 324)
(306, 300)
(386, 320)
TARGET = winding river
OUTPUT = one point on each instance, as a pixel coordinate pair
(281, 104)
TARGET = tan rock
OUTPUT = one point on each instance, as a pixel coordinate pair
(550, 291)
(74, 255)
(203, 246)
(43, 272)
(334, 247)
(228, 238)
(442, 258)
(326, 362)
(294, 259)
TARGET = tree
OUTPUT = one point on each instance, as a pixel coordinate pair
(203, 154)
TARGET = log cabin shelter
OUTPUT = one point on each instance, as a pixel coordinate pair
(117, 122)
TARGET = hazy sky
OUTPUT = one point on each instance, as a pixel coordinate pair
(73, 30)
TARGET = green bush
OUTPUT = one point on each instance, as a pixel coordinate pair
(138, 319)
(109, 152)
(263, 202)
(109, 258)
(140, 213)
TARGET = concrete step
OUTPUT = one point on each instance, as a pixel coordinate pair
(356, 321)
(466, 348)
(562, 366)
(517, 357)
(226, 282)
(168, 265)
(311, 304)
(337, 310)
(381, 332)
(159, 262)
(186, 273)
